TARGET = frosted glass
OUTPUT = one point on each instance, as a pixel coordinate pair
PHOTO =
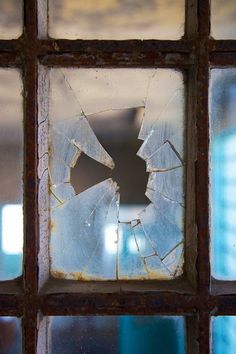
(11, 14)
(116, 19)
(223, 14)
(117, 335)
(222, 172)
(10, 335)
(11, 172)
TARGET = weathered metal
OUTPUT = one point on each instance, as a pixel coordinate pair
(196, 51)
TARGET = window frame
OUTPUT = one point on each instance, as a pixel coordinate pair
(198, 296)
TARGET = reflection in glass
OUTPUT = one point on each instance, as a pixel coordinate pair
(11, 163)
(223, 172)
(116, 19)
(116, 172)
(223, 334)
(223, 14)
(117, 335)
(10, 335)
(10, 19)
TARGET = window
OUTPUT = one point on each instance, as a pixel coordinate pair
(185, 307)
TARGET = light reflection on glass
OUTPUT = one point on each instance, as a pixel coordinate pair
(11, 167)
(117, 335)
(10, 19)
(223, 13)
(223, 334)
(223, 176)
(116, 19)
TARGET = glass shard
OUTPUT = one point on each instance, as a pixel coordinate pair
(223, 15)
(222, 172)
(11, 12)
(117, 334)
(11, 167)
(116, 19)
(83, 237)
(93, 237)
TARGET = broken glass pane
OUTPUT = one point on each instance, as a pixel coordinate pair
(129, 121)
(223, 172)
(117, 334)
(10, 335)
(116, 19)
(223, 334)
(11, 166)
(10, 19)
(223, 14)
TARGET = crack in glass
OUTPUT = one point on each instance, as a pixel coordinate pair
(151, 246)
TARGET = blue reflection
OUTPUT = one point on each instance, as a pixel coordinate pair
(223, 335)
(153, 335)
(223, 173)
(11, 241)
(118, 335)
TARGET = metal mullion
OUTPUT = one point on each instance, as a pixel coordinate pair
(202, 178)
(228, 45)
(223, 59)
(11, 305)
(30, 178)
(111, 46)
(10, 60)
(118, 59)
(117, 304)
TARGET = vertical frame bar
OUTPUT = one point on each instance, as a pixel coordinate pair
(30, 178)
(202, 173)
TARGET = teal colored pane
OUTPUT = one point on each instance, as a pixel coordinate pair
(118, 335)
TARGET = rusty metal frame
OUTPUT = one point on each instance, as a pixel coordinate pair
(196, 52)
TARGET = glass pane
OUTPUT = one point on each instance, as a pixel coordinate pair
(116, 19)
(223, 24)
(117, 335)
(10, 19)
(223, 334)
(11, 165)
(223, 172)
(111, 219)
(10, 335)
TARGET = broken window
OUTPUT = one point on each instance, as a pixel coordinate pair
(116, 19)
(92, 235)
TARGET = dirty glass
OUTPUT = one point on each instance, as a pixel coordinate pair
(11, 165)
(117, 335)
(10, 335)
(126, 220)
(116, 19)
(10, 19)
(223, 172)
(223, 334)
(223, 14)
